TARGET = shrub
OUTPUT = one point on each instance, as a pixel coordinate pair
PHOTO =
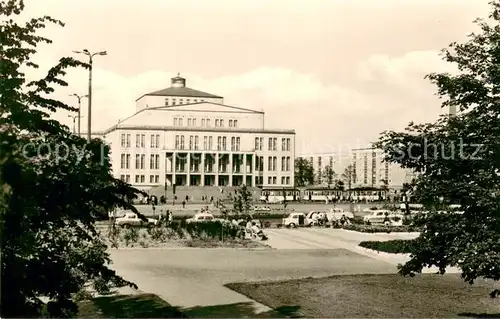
(397, 246)
(114, 236)
(130, 236)
(380, 228)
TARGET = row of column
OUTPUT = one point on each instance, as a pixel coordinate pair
(216, 171)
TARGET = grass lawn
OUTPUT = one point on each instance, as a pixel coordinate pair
(127, 306)
(377, 296)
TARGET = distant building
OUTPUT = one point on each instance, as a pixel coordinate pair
(367, 168)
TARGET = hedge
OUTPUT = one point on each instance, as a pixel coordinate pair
(397, 246)
(381, 228)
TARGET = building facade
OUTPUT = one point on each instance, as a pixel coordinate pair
(370, 170)
(187, 137)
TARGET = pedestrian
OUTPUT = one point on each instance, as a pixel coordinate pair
(211, 199)
(183, 204)
(187, 198)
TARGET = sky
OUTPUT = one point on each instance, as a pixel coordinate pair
(338, 72)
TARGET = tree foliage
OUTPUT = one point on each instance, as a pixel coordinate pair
(242, 201)
(347, 176)
(458, 159)
(304, 172)
(329, 175)
(53, 184)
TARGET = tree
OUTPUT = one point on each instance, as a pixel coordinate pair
(304, 172)
(456, 160)
(339, 184)
(53, 184)
(242, 201)
(347, 176)
(329, 175)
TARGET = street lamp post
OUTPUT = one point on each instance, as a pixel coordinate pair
(74, 117)
(91, 57)
(79, 97)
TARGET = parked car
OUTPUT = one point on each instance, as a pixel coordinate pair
(295, 220)
(130, 219)
(337, 213)
(379, 216)
(201, 217)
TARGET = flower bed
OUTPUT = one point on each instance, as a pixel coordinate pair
(381, 228)
(208, 235)
(397, 246)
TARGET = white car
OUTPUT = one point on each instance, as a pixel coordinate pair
(296, 219)
(130, 219)
(201, 217)
(262, 209)
(379, 216)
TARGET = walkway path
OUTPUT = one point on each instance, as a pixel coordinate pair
(193, 279)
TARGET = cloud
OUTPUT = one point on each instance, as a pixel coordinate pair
(389, 93)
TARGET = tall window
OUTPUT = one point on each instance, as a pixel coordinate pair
(127, 162)
(143, 160)
(202, 122)
(137, 140)
(208, 122)
(216, 123)
(143, 140)
(288, 144)
(189, 122)
(175, 121)
(270, 144)
(230, 123)
(210, 139)
(191, 142)
(128, 140)
(235, 123)
(219, 143)
(288, 160)
(233, 143)
(137, 161)
(205, 143)
(180, 121)
(224, 143)
(275, 163)
(196, 142)
(257, 145)
(283, 164)
(283, 144)
(221, 123)
(157, 140)
(270, 163)
(157, 162)
(237, 143)
(194, 122)
(152, 161)
(182, 142)
(123, 140)
(122, 161)
(152, 141)
(275, 144)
